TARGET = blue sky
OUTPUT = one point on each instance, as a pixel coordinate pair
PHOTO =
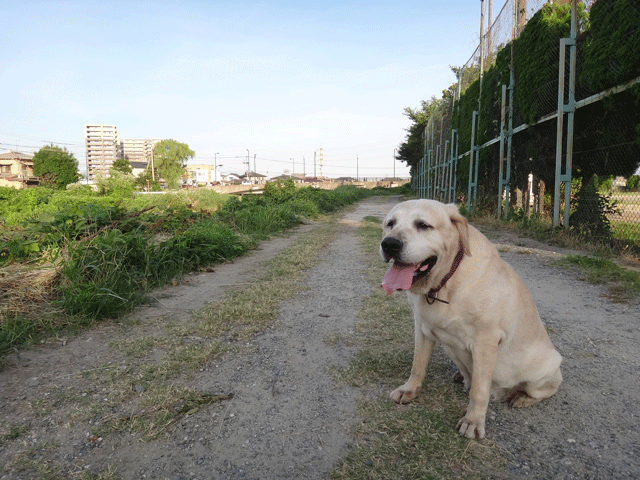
(281, 79)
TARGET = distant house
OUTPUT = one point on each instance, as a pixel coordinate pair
(256, 178)
(227, 178)
(138, 168)
(16, 170)
(295, 177)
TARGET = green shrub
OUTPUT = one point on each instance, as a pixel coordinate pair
(17, 246)
(591, 211)
(633, 183)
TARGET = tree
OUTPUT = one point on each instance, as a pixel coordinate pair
(147, 182)
(411, 149)
(55, 166)
(122, 165)
(118, 184)
(170, 158)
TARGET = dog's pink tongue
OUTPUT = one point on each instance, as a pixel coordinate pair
(398, 277)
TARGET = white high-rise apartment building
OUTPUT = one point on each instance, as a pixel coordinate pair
(138, 150)
(103, 147)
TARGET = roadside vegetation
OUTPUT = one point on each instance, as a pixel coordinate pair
(605, 261)
(69, 258)
(622, 285)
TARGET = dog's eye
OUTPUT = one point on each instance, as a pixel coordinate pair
(420, 225)
(391, 223)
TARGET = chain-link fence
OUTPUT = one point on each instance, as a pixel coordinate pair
(545, 119)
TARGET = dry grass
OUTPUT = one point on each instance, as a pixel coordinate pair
(27, 292)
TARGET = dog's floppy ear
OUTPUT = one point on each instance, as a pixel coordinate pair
(461, 224)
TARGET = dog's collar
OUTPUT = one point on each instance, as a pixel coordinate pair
(432, 296)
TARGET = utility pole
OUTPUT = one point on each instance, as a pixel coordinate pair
(489, 29)
(394, 164)
(357, 175)
(254, 162)
(482, 46)
(314, 165)
(248, 167)
(293, 167)
(304, 169)
(215, 166)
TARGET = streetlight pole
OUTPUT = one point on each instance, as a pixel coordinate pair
(215, 167)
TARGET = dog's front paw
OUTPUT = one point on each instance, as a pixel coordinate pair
(404, 394)
(470, 427)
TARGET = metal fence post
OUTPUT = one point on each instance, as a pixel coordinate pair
(473, 184)
(503, 112)
(454, 165)
(509, 133)
(569, 109)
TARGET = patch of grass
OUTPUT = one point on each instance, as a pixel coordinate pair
(622, 285)
(418, 440)
(108, 473)
(156, 411)
(409, 443)
(34, 462)
(625, 239)
(12, 432)
(626, 231)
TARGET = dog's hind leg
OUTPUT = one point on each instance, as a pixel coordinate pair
(534, 392)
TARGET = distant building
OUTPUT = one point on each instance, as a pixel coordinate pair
(16, 170)
(138, 150)
(227, 178)
(253, 177)
(297, 178)
(103, 147)
(138, 168)
(202, 173)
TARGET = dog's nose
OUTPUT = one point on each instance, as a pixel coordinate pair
(391, 246)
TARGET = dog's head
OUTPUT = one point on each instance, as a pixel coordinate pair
(422, 237)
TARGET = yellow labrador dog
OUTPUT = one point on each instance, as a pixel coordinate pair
(466, 297)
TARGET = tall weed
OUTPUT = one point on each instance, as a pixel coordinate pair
(107, 275)
(111, 256)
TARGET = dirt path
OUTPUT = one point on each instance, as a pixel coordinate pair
(589, 429)
(288, 419)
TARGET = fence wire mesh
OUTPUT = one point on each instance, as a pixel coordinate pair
(522, 137)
